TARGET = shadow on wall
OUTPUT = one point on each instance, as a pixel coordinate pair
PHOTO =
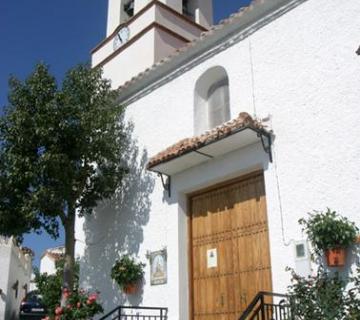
(117, 227)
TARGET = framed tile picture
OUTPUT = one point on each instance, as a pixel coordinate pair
(158, 267)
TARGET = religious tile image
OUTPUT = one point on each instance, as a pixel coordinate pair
(158, 267)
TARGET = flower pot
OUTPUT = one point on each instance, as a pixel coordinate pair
(336, 257)
(130, 288)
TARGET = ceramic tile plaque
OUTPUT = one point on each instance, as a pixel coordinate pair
(212, 258)
(158, 267)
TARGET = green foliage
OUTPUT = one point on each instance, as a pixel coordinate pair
(127, 271)
(79, 305)
(325, 296)
(327, 230)
(60, 149)
(50, 286)
(352, 299)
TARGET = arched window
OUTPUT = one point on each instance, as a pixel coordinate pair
(212, 100)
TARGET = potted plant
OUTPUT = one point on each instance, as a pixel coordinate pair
(330, 233)
(127, 273)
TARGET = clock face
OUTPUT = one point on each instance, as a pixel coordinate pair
(121, 37)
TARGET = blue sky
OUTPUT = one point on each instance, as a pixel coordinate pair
(61, 34)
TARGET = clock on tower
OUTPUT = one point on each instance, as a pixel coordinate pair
(151, 30)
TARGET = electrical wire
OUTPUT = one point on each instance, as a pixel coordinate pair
(286, 243)
(252, 76)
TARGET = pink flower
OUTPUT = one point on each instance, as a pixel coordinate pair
(58, 310)
(78, 305)
(66, 293)
(92, 298)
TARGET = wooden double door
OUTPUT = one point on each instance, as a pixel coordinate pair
(230, 258)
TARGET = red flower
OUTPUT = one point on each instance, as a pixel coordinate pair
(92, 298)
(66, 293)
(59, 310)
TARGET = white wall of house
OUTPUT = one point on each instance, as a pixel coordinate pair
(47, 265)
(49, 258)
(301, 69)
(5, 254)
(15, 267)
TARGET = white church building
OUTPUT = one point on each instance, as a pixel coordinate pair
(239, 130)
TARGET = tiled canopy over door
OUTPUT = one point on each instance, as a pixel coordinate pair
(230, 248)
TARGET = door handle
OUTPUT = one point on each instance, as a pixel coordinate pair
(222, 300)
(243, 298)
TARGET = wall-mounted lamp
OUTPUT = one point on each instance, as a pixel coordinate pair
(15, 286)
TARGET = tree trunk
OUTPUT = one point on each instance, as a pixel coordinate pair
(69, 266)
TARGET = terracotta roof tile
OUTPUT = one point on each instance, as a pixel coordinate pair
(54, 256)
(194, 143)
(27, 250)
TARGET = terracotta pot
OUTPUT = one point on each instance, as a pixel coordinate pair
(336, 257)
(130, 288)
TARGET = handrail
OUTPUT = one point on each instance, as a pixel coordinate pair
(163, 311)
(260, 298)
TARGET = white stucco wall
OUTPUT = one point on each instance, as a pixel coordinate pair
(15, 266)
(47, 265)
(113, 15)
(300, 68)
(5, 254)
(165, 44)
(174, 4)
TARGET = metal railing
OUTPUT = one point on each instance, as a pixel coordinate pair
(136, 313)
(264, 307)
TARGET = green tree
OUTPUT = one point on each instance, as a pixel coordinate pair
(50, 285)
(61, 151)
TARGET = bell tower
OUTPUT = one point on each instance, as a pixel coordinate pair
(142, 32)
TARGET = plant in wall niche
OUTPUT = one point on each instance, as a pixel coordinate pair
(330, 233)
(127, 273)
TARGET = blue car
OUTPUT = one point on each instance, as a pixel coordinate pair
(32, 307)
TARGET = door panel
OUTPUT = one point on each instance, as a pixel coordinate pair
(229, 222)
